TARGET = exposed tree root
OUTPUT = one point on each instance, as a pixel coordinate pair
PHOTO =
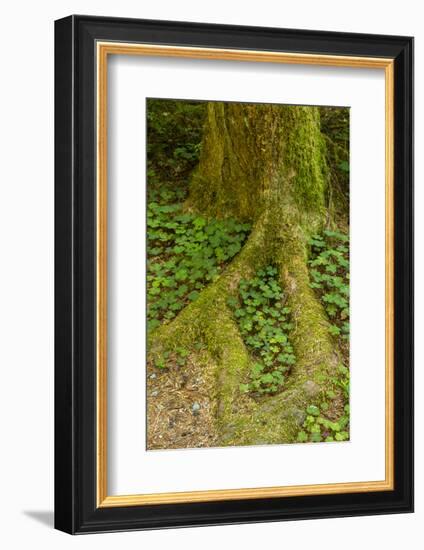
(242, 420)
(208, 320)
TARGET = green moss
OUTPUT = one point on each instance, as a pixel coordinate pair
(223, 185)
(256, 156)
(305, 156)
(278, 419)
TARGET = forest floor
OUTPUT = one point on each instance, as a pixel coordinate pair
(186, 254)
(181, 400)
(181, 406)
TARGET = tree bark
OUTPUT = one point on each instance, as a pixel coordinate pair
(255, 157)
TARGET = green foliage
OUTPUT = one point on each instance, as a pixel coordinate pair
(335, 129)
(313, 410)
(342, 381)
(181, 356)
(174, 134)
(178, 357)
(185, 252)
(264, 324)
(319, 424)
(329, 273)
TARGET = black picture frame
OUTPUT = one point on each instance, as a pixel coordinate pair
(76, 510)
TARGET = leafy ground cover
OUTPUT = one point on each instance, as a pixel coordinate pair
(185, 253)
(174, 135)
(329, 274)
(264, 323)
(330, 420)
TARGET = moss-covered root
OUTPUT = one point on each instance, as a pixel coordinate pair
(232, 365)
(242, 421)
(191, 323)
(278, 419)
(209, 321)
(314, 347)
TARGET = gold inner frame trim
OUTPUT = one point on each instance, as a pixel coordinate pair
(103, 50)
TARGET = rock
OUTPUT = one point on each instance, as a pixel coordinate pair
(299, 416)
(153, 376)
(311, 388)
(270, 406)
(196, 409)
(154, 393)
(228, 434)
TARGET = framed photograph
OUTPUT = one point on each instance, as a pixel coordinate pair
(234, 274)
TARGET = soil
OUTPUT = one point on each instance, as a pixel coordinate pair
(181, 406)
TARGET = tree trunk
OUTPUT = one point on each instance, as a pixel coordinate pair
(256, 157)
(263, 164)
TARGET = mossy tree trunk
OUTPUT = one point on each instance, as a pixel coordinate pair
(263, 164)
(256, 157)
